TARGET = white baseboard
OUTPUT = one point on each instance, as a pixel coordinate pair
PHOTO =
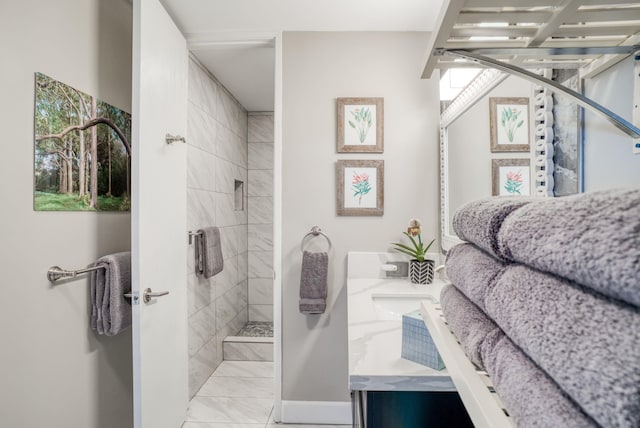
(316, 412)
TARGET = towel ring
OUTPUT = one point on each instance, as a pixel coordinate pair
(315, 231)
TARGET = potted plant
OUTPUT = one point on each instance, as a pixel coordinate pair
(420, 269)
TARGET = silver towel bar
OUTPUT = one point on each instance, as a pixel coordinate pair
(55, 273)
(315, 231)
(192, 234)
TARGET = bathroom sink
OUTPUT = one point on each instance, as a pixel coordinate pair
(393, 306)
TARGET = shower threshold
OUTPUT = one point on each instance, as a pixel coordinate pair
(254, 342)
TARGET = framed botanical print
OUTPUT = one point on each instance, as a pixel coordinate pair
(511, 177)
(509, 123)
(360, 125)
(360, 187)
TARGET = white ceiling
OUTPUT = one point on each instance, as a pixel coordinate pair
(246, 69)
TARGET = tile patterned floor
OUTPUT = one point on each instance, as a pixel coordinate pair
(257, 329)
(239, 394)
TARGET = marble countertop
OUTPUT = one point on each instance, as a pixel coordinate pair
(375, 344)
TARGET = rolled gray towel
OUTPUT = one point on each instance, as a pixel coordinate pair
(588, 344)
(313, 282)
(592, 239)
(470, 325)
(479, 221)
(110, 310)
(473, 271)
(530, 396)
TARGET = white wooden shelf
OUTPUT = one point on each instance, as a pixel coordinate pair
(475, 387)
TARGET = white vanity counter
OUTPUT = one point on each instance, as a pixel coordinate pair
(375, 307)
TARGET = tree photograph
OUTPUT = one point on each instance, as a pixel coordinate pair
(82, 151)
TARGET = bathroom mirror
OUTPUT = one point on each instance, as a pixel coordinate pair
(472, 167)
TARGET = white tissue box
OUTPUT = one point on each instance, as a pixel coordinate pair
(417, 344)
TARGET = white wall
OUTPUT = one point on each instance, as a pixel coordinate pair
(216, 156)
(54, 370)
(317, 69)
(608, 158)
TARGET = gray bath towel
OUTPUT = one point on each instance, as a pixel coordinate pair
(313, 282)
(531, 397)
(209, 261)
(588, 344)
(479, 221)
(110, 310)
(591, 238)
(473, 271)
(470, 325)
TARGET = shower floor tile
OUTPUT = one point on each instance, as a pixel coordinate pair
(257, 329)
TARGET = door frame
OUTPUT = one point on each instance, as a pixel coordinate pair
(201, 42)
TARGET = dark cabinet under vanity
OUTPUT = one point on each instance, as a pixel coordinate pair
(412, 409)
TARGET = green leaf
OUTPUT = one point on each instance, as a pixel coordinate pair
(351, 124)
(404, 249)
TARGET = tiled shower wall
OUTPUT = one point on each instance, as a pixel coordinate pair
(217, 160)
(260, 216)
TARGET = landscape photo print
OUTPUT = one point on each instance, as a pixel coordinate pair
(82, 151)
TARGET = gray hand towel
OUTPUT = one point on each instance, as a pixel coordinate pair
(530, 396)
(110, 310)
(473, 271)
(590, 238)
(588, 344)
(209, 260)
(313, 282)
(479, 221)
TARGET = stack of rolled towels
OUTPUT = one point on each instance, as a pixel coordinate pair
(545, 296)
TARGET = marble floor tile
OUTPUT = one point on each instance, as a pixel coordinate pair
(229, 409)
(245, 368)
(237, 386)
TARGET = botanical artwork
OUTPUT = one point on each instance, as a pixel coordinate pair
(82, 151)
(511, 177)
(360, 125)
(509, 124)
(360, 189)
(361, 130)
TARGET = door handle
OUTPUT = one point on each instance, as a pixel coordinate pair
(149, 294)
